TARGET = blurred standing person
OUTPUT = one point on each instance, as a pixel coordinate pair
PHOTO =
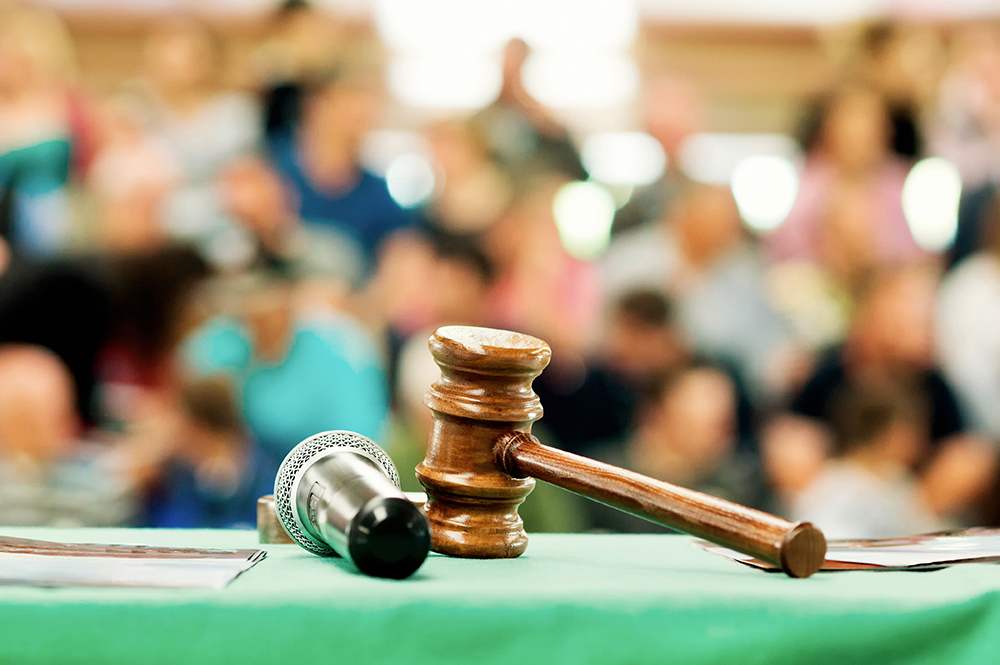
(204, 127)
(40, 131)
(673, 110)
(965, 129)
(524, 137)
(851, 158)
(903, 63)
(303, 40)
(320, 160)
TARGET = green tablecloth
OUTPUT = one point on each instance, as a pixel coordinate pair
(571, 598)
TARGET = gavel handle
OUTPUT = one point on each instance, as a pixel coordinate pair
(798, 548)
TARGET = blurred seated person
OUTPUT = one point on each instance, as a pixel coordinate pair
(259, 201)
(524, 137)
(203, 126)
(320, 161)
(132, 173)
(49, 476)
(297, 372)
(541, 288)
(37, 118)
(870, 490)
(700, 257)
(462, 276)
(475, 192)
(641, 343)
(852, 157)
(216, 472)
(891, 342)
(686, 435)
(113, 320)
(399, 297)
(968, 330)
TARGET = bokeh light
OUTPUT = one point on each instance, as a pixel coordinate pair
(765, 187)
(411, 180)
(623, 158)
(584, 212)
(930, 202)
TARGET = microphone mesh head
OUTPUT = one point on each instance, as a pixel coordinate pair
(284, 482)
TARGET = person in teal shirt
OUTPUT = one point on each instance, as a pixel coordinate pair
(33, 205)
(296, 375)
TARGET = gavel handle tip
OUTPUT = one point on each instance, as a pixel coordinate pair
(803, 550)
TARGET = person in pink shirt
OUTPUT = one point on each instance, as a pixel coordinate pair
(848, 217)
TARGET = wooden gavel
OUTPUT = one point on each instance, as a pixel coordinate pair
(482, 459)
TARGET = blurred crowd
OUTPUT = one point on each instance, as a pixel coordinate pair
(193, 279)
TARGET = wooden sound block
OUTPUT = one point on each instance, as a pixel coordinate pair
(269, 528)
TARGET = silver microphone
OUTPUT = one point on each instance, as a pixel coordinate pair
(337, 493)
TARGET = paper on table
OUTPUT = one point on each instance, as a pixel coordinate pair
(42, 563)
(909, 553)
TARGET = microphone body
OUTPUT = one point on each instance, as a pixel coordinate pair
(337, 493)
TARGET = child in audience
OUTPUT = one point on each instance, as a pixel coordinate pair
(870, 491)
(217, 471)
(891, 342)
(48, 475)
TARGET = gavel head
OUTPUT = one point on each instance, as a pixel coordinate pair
(484, 394)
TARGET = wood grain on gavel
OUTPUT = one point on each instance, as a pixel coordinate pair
(481, 461)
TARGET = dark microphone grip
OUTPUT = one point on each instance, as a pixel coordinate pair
(337, 493)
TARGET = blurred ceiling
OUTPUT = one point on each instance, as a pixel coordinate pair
(754, 61)
(727, 11)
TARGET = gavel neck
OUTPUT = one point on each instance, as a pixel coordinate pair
(505, 452)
